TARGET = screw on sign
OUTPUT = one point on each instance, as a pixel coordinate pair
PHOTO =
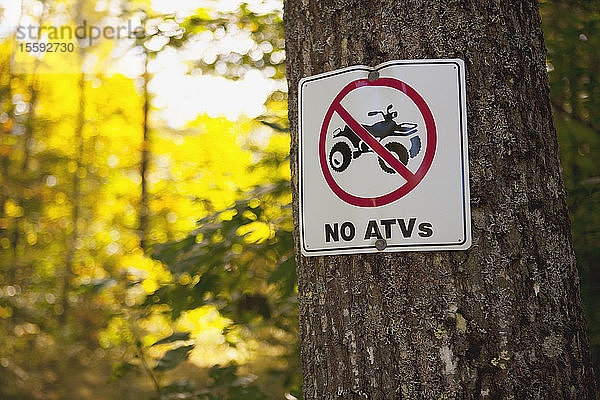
(355, 139)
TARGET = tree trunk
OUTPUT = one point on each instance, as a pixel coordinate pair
(28, 138)
(71, 241)
(144, 209)
(6, 96)
(499, 321)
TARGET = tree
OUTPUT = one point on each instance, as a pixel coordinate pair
(501, 320)
(568, 32)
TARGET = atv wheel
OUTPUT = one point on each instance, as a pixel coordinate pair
(340, 156)
(399, 151)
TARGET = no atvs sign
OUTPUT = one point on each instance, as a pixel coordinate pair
(383, 159)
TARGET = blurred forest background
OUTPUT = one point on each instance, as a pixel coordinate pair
(146, 246)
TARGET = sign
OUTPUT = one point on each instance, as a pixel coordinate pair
(383, 159)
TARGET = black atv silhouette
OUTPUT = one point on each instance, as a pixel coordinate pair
(341, 154)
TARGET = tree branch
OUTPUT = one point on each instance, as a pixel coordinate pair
(149, 371)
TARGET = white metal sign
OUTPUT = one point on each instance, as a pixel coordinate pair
(384, 159)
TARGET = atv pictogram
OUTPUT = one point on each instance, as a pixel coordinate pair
(349, 146)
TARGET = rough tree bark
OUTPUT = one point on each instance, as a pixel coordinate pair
(500, 321)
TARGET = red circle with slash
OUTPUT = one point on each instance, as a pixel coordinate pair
(412, 180)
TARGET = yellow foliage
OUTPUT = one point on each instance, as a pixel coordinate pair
(12, 209)
(31, 238)
(116, 333)
(140, 266)
(206, 327)
(255, 232)
(5, 312)
(95, 168)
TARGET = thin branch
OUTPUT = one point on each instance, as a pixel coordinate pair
(149, 371)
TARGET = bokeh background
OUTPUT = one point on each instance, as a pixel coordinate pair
(146, 246)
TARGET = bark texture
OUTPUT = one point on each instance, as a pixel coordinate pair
(500, 321)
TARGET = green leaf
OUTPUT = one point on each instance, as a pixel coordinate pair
(275, 126)
(209, 282)
(173, 358)
(224, 376)
(167, 253)
(119, 370)
(285, 275)
(177, 336)
(180, 388)
(98, 285)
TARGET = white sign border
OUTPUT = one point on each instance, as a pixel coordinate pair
(393, 248)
